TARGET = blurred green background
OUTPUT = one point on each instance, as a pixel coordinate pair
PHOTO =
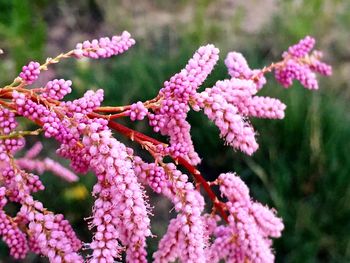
(303, 165)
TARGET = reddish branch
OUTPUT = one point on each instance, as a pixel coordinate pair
(219, 206)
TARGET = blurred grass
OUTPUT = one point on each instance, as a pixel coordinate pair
(303, 165)
(22, 32)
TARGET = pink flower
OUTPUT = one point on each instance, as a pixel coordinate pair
(56, 89)
(104, 47)
(250, 227)
(11, 234)
(86, 104)
(7, 121)
(31, 72)
(120, 205)
(237, 132)
(238, 68)
(300, 65)
(170, 118)
(302, 48)
(138, 111)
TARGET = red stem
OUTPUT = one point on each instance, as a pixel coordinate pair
(112, 109)
(118, 115)
(199, 178)
(132, 134)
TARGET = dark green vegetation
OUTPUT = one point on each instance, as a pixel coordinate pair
(303, 165)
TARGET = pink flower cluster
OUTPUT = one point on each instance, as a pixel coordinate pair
(247, 235)
(301, 66)
(120, 210)
(37, 112)
(7, 124)
(10, 232)
(154, 176)
(238, 68)
(138, 111)
(302, 48)
(86, 104)
(237, 132)
(52, 234)
(105, 47)
(56, 89)
(7, 121)
(20, 184)
(185, 237)
(120, 219)
(31, 72)
(229, 102)
(170, 118)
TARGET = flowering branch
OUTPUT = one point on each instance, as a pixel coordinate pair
(121, 214)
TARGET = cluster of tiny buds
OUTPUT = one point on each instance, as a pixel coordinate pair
(12, 145)
(19, 184)
(52, 234)
(238, 68)
(37, 112)
(250, 225)
(138, 111)
(30, 72)
(152, 174)
(7, 121)
(86, 104)
(302, 48)
(10, 232)
(56, 89)
(301, 66)
(104, 47)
